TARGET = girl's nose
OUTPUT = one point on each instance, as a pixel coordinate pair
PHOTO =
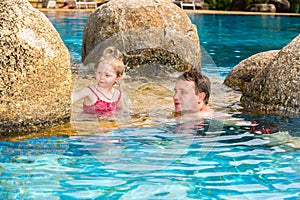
(101, 76)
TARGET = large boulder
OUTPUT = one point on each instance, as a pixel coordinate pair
(35, 70)
(247, 69)
(276, 89)
(147, 32)
(261, 7)
(281, 5)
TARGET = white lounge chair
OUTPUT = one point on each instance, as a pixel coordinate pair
(51, 4)
(187, 3)
(85, 3)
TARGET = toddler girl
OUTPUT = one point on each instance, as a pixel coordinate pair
(102, 98)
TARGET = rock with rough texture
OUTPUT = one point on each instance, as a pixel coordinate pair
(246, 70)
(35, 70)
(146, 31)
(281, 5)
(261, 7)
(276, 90)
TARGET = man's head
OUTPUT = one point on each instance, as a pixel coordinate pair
(192, 90)
(201, 82)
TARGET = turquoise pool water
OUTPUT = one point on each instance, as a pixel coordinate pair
(228, 39)
(224, 160)
(149, 163)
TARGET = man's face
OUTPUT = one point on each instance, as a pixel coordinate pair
(185, 98)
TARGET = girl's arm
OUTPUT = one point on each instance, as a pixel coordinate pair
(80, 94)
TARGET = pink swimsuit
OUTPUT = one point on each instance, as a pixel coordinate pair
(101, 107)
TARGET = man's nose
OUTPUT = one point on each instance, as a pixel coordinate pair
(176, 95)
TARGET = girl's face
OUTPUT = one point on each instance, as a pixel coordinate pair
(185, 98)
(106, 76)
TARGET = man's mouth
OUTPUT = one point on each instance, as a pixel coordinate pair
(177, 104)
(177, 107)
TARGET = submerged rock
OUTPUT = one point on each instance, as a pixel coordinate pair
(147, 32)
(35, 70)
(276, 89)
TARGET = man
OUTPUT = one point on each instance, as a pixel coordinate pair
(192, 91)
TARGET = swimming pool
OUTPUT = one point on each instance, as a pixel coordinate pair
(165, 160)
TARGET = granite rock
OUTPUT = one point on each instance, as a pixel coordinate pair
(146, 31)
(247, 69)
(281, 5)
(261, 7)
(35, 70)
(276, 89)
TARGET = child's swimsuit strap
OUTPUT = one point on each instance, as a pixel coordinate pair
(94, 92)
(119, 95)
(99, 97)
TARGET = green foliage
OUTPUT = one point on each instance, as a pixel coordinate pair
(212, 4)
(294, 1)
(219, 4)
(262, 1)
(223, 4)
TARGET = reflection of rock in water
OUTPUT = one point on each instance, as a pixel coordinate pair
(60, 130)
(152, 71)
(148, 94)
(149, 91)
(151, 99)
(154, 89)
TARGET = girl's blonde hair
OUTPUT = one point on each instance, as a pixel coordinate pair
(114, 58)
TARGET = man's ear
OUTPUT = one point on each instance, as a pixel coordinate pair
(201, 96)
